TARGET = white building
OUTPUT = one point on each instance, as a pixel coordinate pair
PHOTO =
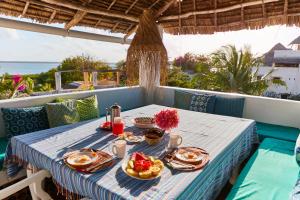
(285, 64)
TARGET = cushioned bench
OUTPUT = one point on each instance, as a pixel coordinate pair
(3, 144)
(278, 132)
(270, 174)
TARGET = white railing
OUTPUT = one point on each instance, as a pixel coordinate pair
(262, 109)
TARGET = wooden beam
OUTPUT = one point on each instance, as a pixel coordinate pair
(76, 19)
(115, 26)
(152, 5)
(242, 16)
(89, 9)
(179, 18)
(195, 18)
(130, 32)
(26, 26)
(25, 8)
(263, 12)
(219, 10)
(285, 10)
(164, 8)
(131, 6)
(111, 5)
(50, 6)
(52, 16)
(215, 14)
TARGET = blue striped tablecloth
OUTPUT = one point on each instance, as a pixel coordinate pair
(228, 140)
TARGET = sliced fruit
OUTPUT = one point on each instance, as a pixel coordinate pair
(132, 172)
(145, 174)
(151, 158)
(142, 165)
(158, 163)
(155, 170)
(130, 164)
(139, 156)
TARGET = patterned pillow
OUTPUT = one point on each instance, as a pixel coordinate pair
(87, 108)
(62, 113)
(19, 121)
(203, 103)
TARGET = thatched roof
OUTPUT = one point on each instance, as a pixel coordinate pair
(175, 16)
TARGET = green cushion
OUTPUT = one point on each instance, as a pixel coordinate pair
(87, 108)
(270, 174)
(275, 131)
(19, 121)
(182, 100)
(3, 145)
(62, 113)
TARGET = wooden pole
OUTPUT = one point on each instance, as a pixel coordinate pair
(58, 81)
(118, 79)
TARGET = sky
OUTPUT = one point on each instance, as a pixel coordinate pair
(17, 45)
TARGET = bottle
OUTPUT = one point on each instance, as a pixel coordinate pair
(118, 126)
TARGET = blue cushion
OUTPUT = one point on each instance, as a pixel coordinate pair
(19, 121)
(297, 151)
(265, 130)
(203, 103)
(182, 99)
(229, 106)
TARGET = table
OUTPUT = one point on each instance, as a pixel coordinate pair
(228, 140)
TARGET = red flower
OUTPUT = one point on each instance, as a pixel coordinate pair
(16, 79)
(167, 119)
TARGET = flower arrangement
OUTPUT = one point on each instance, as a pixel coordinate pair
(167, 119)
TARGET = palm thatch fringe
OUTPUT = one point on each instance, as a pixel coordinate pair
(147, 56)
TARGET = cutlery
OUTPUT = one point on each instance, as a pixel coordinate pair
(93, 167)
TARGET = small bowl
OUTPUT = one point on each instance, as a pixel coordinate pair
(144, 122)
(154, 136)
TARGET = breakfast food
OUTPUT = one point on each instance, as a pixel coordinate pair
(143, 166)
(82, 159)
(144, 120)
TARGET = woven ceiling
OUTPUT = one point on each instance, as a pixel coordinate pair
(175, 16)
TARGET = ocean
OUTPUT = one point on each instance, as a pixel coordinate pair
(30, 67)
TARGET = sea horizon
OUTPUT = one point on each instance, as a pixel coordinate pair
(30, 67)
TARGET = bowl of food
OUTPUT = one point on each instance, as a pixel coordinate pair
(143, 167)
(81, 160)
(144, 122)
(153, 136)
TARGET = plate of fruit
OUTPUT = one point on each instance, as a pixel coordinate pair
(143, 167)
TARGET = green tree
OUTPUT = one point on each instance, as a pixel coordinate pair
(234, 71)
(177, 78)
(78, 64)
(121, 65)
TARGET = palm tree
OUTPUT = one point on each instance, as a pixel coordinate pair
(234, 71)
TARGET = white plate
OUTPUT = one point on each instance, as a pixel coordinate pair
(183, 158)
(144, 126)
(71, 158)
(136, 140)
(124, 166)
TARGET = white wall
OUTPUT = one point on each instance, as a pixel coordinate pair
(291, 76)
(127, 97)
(262, 109)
